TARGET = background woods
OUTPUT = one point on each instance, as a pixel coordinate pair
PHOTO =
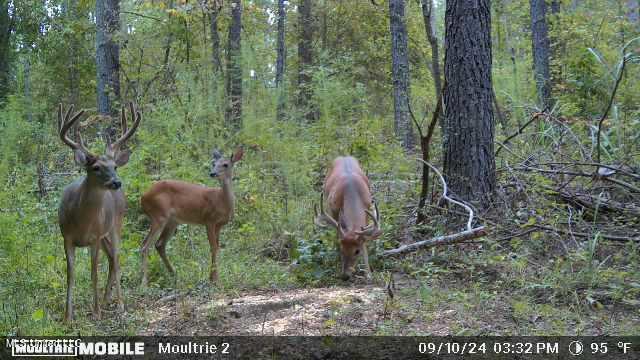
(537, 132)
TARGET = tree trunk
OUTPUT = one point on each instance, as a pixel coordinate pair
(27, 89)
(633, 13)
(305, 60)
(108, 55)
(5, 49)
(215, 40)
(400, 74)
(74, 82)
(430, 30)
(469, 160)
(233, 114)
(281, 58)
(541, 52)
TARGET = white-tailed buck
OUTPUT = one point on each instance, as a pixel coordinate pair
(169, 203)
(347, 195)
(92, 207)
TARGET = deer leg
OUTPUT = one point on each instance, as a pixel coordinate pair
(154, 232)
(161, 244)
(70, 252)
(365, 257)
(108, 249)
(111, 248)
(213, 231)
(95, 262)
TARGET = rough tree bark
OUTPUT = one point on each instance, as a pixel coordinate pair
(215, 39)
(108, 55)
(281, 58)
(5, 49)
(541, 52)
(233, 114)
(469, 160)
(400, 74)
(305, 60)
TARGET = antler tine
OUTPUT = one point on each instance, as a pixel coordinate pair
(65, 124)
(81, 143)
(127, 133)
(328, 220)
(370, 229)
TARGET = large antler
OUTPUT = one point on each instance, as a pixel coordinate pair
(373, 228)
(64, 124)
(323, 219)
(126, 133)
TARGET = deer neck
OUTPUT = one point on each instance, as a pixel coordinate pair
(227, 193)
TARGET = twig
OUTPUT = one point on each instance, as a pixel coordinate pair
(610, 167)
(521, 129)
(141, 15)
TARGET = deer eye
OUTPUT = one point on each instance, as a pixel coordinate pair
(358, 252)
(226, 165)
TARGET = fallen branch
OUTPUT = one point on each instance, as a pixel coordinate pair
(440, 240)
(585, 235)
(580, 173)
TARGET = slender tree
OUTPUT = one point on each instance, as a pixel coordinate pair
(74, 73)
(430, 31)
(400, 74)
(281, 58)
(305, 60)
(215, 38)
(6, 25)
(233, 114)
(541, 51)
(469, 160)
(107, 55)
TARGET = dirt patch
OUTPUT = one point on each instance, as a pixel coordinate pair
(319, 311)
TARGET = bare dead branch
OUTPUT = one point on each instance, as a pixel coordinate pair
(580, 173)
(610, 103)
(446, 197)
(585, 235)
(534, 117)
(440, 240)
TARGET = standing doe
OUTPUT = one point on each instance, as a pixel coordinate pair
(92, 207)
(169, 203)
(346, 190)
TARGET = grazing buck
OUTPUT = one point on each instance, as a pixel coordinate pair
(169, 203)
(347, 195)
(92, 208)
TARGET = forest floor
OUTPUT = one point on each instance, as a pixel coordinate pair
(402, 307)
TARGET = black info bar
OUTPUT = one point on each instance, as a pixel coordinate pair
(323, 347)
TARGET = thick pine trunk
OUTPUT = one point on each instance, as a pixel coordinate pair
(469, 160)
(280, 60)
(541, 52)
(233, 114)
(305, 60)
(400, 74)
(5, 48)
(107, 55)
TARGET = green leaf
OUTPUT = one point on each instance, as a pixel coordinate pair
(38, 315)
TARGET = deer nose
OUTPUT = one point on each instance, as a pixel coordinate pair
(116, 184)
(213, 174)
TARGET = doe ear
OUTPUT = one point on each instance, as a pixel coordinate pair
(122, 157)
(82, 158)
(237, 155)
